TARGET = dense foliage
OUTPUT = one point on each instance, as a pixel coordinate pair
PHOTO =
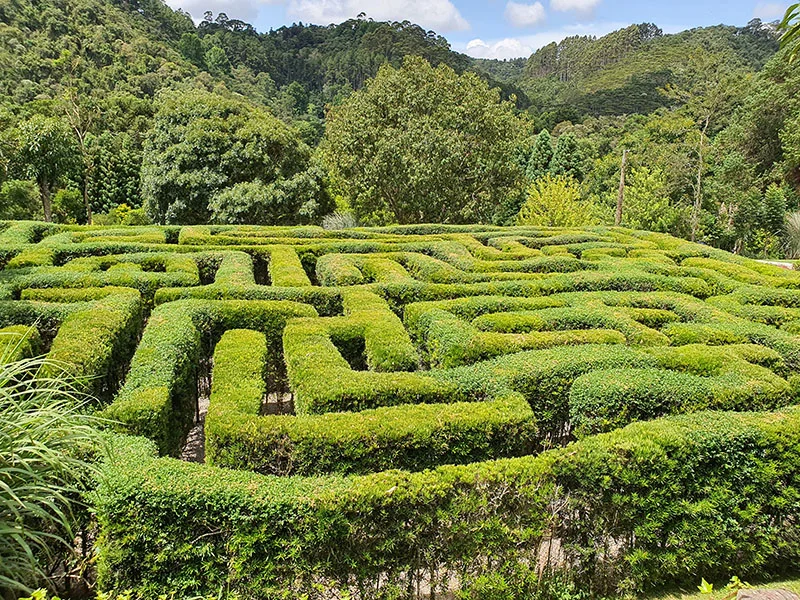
(209, 156)
(92, 91)
(44, 439)
(389, 408)
(423, 145)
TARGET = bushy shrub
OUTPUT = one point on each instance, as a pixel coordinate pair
(555, 201)
(122, 215)
(68, 207)
(19, 199)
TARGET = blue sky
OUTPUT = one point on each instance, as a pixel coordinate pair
(498, 28)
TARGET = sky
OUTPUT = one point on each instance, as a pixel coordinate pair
(497, 28)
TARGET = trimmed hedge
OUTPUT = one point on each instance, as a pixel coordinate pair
(412, 346)
(285, 268)
(652, 504)
(323, 381)
(159, 394)
(145, 272)
(701, 378)
(410, 437)
(96, 343)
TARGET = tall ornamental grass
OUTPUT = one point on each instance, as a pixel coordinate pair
(792, 235)
(46, 439)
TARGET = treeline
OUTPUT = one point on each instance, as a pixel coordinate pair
(126, 112)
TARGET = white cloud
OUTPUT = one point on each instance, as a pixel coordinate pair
(583, 6)
(245, 10)
(507, 48)
(441, 15)
(769, 11)
(525, 45)
(524, 15)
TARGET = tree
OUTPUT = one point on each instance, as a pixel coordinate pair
(19, 199)
(774, 213)
(79, 111)
(709, 90)
(555, 201)
(567, 158)
(202, 143)
(115, 176)
(68, 206)
(423, 144)
(46, 152)
(541, 156)
(300, 199)
(790, 145)
(217, 61)
(191, 48)
(648, 206)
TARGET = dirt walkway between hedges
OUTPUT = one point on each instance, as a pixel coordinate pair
(195, 448)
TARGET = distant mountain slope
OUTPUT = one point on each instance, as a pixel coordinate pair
(123, 46)
(327, 60)
(623, 71)
(126, 50)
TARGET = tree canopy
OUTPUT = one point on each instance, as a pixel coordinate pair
(202, 143)
(423, 144)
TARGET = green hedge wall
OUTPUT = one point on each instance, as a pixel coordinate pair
(651, 504)
(159, 395)
(405, 348)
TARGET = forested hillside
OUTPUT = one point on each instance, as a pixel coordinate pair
(625, 71)
(129, 112)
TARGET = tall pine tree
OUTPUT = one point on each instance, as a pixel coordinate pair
(541, 156)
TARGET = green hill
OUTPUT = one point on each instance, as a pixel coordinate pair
(624, 71)
(128, 50)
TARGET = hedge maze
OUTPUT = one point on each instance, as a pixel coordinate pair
(407, 411)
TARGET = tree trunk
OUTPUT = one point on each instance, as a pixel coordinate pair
(621, 192)
(698, 194)
(44, 189)
(86, 198)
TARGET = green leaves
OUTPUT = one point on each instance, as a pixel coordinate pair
(212, 156)
(705, 587)
(44, 439)
(555, 201)
(790, 25)
(422, 144)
